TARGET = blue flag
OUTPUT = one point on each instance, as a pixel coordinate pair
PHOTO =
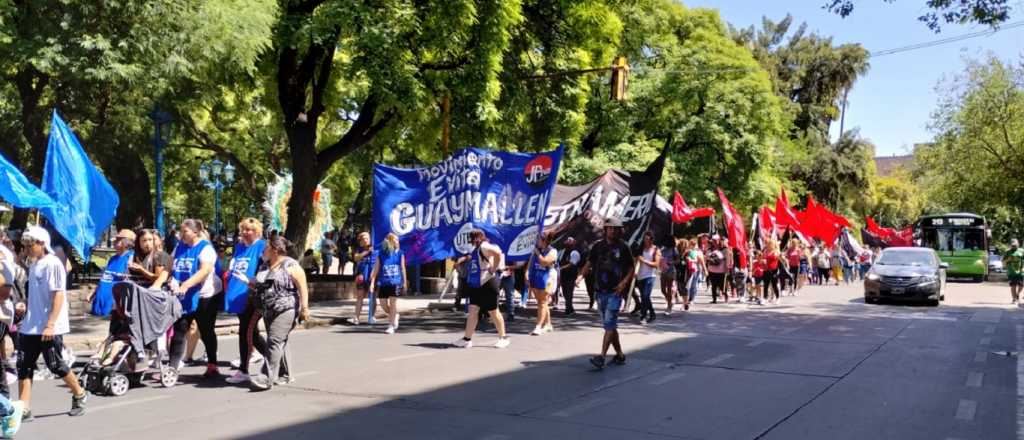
(17, 190)
(432, 209)
(85, 203)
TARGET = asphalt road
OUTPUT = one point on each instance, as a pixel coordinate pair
(822, 365)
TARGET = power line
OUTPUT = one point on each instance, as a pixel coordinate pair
(946, 40)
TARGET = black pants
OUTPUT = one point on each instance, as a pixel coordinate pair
(591, 286)
(824, 274)
(568, 288)
(32, 346)
(206, 319)
(770, 282)
(249, 336)
(717, 281)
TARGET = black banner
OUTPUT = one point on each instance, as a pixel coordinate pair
(632, 197)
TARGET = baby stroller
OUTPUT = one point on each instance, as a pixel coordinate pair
(139, 320)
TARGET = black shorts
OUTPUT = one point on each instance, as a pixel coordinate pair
(485, 296)
(31, 346)
(385, 292)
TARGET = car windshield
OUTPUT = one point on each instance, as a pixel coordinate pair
(906, 258)
(995, 259)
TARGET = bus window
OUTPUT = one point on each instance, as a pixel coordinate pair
(950, 240)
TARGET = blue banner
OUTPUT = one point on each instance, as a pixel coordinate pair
(16, 189)
(85, 203)
(432, 209)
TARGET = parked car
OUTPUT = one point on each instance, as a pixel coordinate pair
(995, 264)
(906, 274)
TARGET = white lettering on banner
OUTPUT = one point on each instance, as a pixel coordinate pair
(606, 204)
(468, 206)
(402, 219)
(457, 165)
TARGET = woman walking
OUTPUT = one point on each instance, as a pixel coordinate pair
(649, 260)
(542, 279)
(696, 268)
(667, 267)
(244, 265)
(771, 271)
(364, 258)
(194, 260)
(824, 264)
(389, 279)
(793, 254)
(283, 300)
(682, 271)
(716, 265)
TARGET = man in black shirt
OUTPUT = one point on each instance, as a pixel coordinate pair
(570, 267)
(612, 262)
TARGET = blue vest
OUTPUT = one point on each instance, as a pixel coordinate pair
(365, 266)
(475, 270)
(539, 274)
(116, 271)
(186, 264)
(390, 269)
(245, 259)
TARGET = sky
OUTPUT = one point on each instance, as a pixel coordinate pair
(892, 104)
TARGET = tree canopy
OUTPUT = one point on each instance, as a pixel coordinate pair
(939, 12)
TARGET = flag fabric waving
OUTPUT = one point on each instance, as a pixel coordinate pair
(681, 213)
(84, 202)
(734, 227)
(16, 189)
(784, 214)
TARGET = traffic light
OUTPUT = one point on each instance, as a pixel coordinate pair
(620, 74)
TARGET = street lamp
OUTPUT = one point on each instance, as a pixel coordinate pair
(161, 136)
(216, 175)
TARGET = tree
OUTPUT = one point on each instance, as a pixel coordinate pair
(895, 200)
(986, 12)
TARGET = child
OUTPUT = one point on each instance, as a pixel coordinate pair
(758, 272)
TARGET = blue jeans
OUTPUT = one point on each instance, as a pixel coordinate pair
(692, 285)
(847, 274)
(609, 304)
(508, 287)
(646, 286)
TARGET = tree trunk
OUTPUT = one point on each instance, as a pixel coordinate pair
(127, 174)
(306, 174)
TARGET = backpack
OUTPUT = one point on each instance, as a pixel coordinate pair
(715, 258)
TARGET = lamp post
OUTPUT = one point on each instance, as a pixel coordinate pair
(161, 136)
(216, 175)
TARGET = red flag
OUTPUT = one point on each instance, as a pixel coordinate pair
(766, 223)
(891, 236)
(734, 227)
(784, 214)
(681, 213)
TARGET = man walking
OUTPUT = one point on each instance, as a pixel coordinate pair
(485, 262)
(1014, 262)
(570, 267)
(46, 321)
(612, 262)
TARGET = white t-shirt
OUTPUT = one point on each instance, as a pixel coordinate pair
(485, 263)
(208, 256)
(45, 277)
(646, 271)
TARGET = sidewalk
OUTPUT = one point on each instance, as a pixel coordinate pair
(87, 333)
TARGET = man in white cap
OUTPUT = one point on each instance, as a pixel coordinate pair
(1014, 263)
(46, 321)
(612, 261)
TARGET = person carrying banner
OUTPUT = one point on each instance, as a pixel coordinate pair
(244, 265)
(541, 276)
(194, 260)
(649, 260)
(612, 263)
(46, 322)
(570, 269)
(485, 262)
(388, 279)
(117, 270)
(1013, 260)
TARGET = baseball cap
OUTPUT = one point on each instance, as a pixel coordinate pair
(38, 234)
(126, 233)
(613, 223)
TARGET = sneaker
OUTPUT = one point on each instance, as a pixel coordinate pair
(502, 342)
(651, 318)
(12, 423)
(390, 330)
(284, 380)
(597, 362)
(26, 416)
(537, 331)
(260, 383)
(211, 372)
(238, 377)
(549, 328)
(686, 307)
(397, 319)
(668, 313)
(463, 343)
(619, 359)
(236, 364)
(78, 404)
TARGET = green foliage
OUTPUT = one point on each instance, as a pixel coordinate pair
(987, 12)
(895, 200)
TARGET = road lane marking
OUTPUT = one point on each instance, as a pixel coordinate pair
(965, 410)
(718, 359)
(981, 356)
(667, 378)
(989, 329)
(985, 341)
(756, 343)
(403, 357)
(129, 403)
(304, 374)
(974, 379)
(584, 406)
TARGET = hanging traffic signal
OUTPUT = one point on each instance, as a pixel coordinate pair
(620, 74)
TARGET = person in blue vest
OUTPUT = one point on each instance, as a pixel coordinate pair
(364, 257)
(192, 280)
(388, 278)
(245, 263)
(485, 262)
(117, 270)
(542, 276)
